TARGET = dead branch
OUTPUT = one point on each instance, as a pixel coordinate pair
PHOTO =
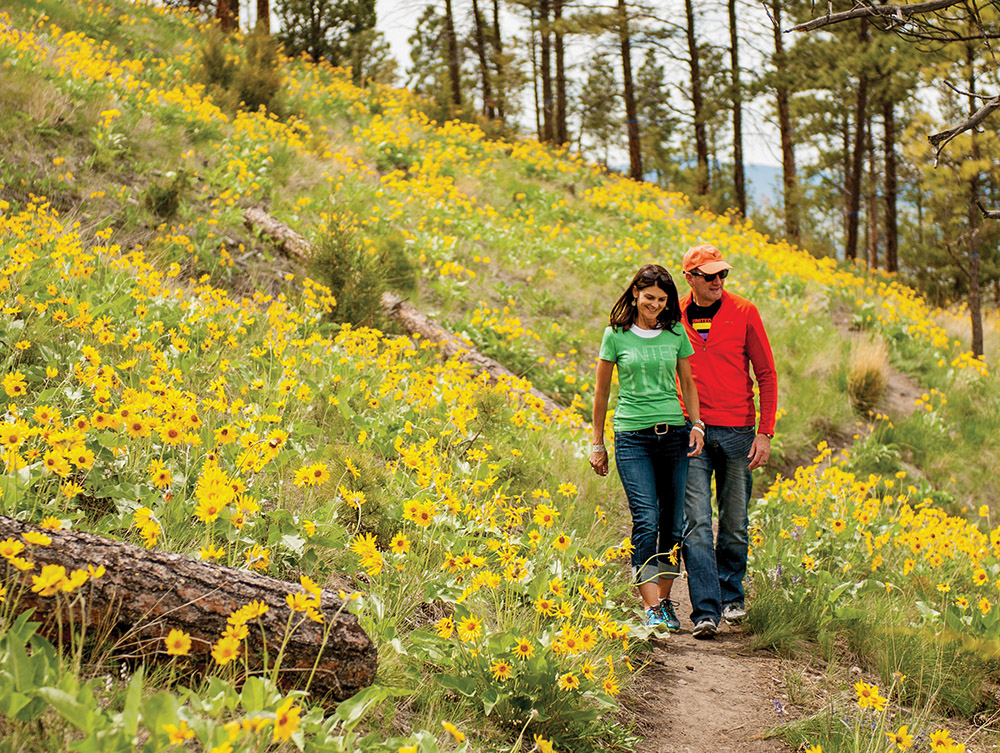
(939, 140)
(895, 13)
(990, 214)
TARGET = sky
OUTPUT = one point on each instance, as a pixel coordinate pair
(397, 20)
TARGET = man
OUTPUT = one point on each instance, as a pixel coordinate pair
(728, 338)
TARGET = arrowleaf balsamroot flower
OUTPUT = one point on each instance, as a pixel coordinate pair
(178, 643)
(286, 720)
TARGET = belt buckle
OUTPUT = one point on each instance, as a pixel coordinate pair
(664, 426)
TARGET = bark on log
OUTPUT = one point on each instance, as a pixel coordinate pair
(146, 593)
(416, 322)
(290, 242)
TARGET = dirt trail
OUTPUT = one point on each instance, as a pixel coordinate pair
(711, 696)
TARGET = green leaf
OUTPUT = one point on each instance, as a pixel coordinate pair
(464, 685)
(835, 593)
(351, 711)
(252, 695)
(133, 698)
(927, 611)
(490, 699)
(293, 543)
(69, 708)
(12, 702)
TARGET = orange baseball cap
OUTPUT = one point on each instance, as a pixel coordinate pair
(706, 258)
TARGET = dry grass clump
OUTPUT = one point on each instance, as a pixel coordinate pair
(868, 373)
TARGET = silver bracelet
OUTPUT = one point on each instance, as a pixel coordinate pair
(698, 428)
(598, 448)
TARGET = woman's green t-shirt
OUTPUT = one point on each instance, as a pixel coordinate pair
(647, 376)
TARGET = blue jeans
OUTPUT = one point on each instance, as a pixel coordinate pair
(716, 568)
(653, 469)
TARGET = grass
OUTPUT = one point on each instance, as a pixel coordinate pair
(867, 376)
(522, 248)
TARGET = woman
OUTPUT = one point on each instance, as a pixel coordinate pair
(650, 347)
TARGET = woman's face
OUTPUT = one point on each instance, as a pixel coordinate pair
(649, 303)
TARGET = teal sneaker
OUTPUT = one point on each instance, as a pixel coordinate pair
(654, 619)
(669, 615)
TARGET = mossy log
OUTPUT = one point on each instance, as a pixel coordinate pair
(144, 594)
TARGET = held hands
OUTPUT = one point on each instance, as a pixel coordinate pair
(697, 441)
(599, 462)
(760, 452)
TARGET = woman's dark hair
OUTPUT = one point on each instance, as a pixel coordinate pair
(624, 312)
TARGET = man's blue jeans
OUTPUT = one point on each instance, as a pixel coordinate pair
(716, 568)
(653, 469)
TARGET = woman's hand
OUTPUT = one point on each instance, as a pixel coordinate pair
(599, 462)
(697, 442)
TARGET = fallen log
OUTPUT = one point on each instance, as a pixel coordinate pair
(144, 594)
(289, 242)
(417, 322)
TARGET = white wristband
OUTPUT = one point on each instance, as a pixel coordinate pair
(698, 428)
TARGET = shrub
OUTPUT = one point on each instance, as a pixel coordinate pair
(242, 83)
(163, 199)
(257, 82)
(358, 274)
(867, 376)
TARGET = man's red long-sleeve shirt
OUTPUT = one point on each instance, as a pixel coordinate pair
(721, 366)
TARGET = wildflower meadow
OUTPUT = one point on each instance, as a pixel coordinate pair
(174, 381)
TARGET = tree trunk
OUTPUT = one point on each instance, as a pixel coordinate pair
(225, 16)
(548, 110)
(975, 292)
(700, 138)
(451, 45)
(891, 188)
(264, 15)
(144, 594)
(562, 134)
(871, 198)
(534, 77)
(739, 180)
(631, 114)
(782, 94)
(857, 159)
(498, 62)
(488, 109)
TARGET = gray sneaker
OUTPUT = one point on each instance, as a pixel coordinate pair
(706, 628)
(734, 613)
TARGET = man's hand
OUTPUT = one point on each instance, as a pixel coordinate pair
(760, 452)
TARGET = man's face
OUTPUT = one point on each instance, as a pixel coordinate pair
(705, 292)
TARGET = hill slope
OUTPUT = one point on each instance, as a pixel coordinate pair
(175, 381)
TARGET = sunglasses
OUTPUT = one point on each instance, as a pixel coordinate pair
(658, 278)
(711, 278)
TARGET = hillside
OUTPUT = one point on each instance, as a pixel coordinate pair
(173, 380)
